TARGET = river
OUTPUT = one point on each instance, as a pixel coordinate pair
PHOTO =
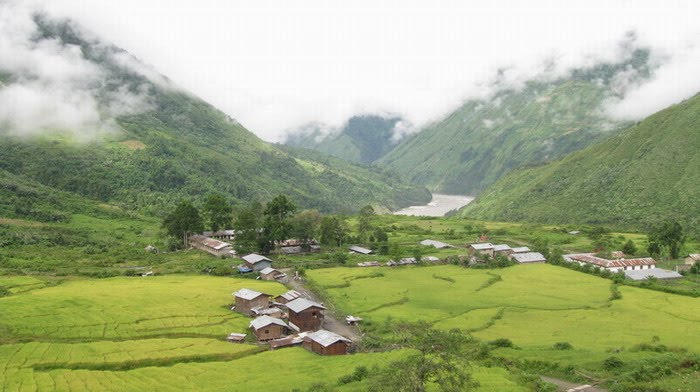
(439, 206)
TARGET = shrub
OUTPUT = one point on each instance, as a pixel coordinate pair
(502, 342)
(563, 346)
(359, 374)
(612, 363)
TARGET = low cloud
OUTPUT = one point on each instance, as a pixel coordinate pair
(49, 86)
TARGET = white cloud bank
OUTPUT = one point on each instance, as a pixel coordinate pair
(52, 87)
(278, 64)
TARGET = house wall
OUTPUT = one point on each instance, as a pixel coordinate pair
(309, 320)
(272, 331)
(338, 348)
(270, 276)
(259, 266)
(244, 306)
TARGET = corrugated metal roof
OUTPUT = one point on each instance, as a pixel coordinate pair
(248, 294)
(529, 257)
(605, 263)
(301, 304)
(267, 270)
(326, 338)
(209, 242)
(501, 247)
(521, 249)
(264, 321)
(436, 244)
(254, 258)
(482, 246)
(658, 273)
(291, 295)
(359, 249)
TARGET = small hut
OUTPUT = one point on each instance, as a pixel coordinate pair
(267, 328)
(305, 315)
(326, 343)
(247, 299)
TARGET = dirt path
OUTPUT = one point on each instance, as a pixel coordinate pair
(332, 322)
(563, 385)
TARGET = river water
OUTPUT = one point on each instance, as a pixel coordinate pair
(439, 206)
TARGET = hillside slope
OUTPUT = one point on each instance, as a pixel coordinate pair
(649, 172)
(542, 121)
(177, 147)
(364, 139)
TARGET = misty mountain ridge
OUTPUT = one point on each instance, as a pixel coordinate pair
(144, 143)
(363, 139)
(544, 119)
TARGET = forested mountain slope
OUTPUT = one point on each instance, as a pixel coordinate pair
(543, 120)
(177, 147)
(646, 174)
(364, 139)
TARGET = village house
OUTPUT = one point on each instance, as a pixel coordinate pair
(326, 343)
(360, 250)
(247, 299)
(692, 259)
(270, 273)
(528, 258)
(657, 273)
(289, 296)
(305, 315)
(272, 312)
(210, 245)
(481, 248)
(520, 249)
(436, 244)
(224, 235)
(502, 249)
(267, 328)
(615, 265)
(295, 246)
(256, 262)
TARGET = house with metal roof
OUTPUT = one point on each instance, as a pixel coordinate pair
(246, 300)
(289, 296)
(614, 265)
(360, 250)
(267, 328)
(210, 245)
(503, 249)
(528, 258)
(326, 343)
(221, 234)
(436, 244)
(305, 315)
(484, 248)
(657, 273)
(692, 258)
(521, 249)
(270, 273)
(256, 262)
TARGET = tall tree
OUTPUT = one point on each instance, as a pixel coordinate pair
(276, 226)
(333, 230)
(305, 225)
(668, 236)
(218, 212)
(248, 224)
(364, 222)
(185, 219)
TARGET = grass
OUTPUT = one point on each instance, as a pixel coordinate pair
(535, 306)
(159, 333)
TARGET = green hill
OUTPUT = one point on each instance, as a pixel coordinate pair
(179, 147)
(364, 139)
(484, 139)
(649, 172)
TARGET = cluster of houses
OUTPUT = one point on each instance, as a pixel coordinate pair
(521, 255)
(215, 243)
(289, 319)
(640, 268)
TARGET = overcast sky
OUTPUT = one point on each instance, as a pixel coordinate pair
(277, 65)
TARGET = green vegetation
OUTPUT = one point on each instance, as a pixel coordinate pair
(364, 139)
(541, 318)
(483, 140)
(179, 148)
(639, 178)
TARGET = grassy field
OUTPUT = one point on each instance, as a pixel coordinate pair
(534, 306)
(158, 333)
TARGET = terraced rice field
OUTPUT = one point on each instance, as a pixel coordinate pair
(157, 334)
(534, 306)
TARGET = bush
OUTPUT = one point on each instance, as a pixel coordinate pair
(359, 374)
(339, 257)
(502, 342)
(562, 346)
(612, 363)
